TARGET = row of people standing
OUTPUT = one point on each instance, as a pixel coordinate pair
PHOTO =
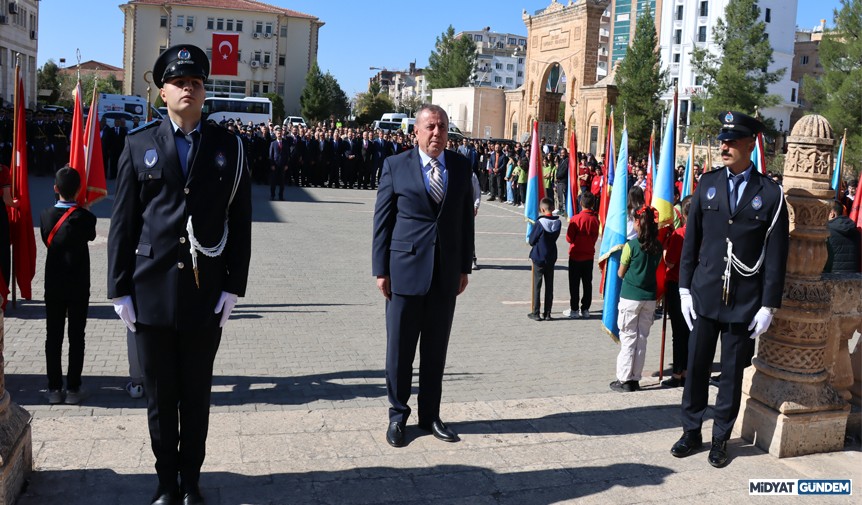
(47, 140)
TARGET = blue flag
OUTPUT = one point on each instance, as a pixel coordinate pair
(613, 240)
(836, 173)
(535, 183)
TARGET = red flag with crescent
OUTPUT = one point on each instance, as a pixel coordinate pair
(224, 55)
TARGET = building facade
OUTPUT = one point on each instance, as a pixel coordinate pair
(623, 21)
(406, 88)
(277, 46)
(19, 24)
(499, 58)
(806, 64)
(97, 68)
(687, 24)
(479, 112)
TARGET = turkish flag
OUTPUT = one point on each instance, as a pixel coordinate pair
(225, 50)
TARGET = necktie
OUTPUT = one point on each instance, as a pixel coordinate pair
(435, 181)
(734, 193)
(194, 140)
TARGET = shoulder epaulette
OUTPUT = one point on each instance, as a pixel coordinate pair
(146, 126)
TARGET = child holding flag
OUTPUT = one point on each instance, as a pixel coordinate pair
(638, 264)
(543, 239)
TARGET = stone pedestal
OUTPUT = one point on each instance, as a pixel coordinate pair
(16, 446)
(789, 406)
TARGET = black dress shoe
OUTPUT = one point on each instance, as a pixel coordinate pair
(673, 382)
(534, 317)
(718, 453)
(440, 431)
(166, 497)
(395, 434)
(690, 442)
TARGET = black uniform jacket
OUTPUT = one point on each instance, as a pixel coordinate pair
(148, 245)
(704, 252)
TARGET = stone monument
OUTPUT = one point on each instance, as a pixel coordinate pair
(16, 446)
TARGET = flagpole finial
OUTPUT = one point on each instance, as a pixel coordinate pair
(78, 57)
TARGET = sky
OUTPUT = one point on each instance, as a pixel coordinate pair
(382, 33)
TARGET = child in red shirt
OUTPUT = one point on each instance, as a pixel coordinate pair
(582, 234)
(672, 253)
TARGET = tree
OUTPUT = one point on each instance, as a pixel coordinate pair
(735, 78)
(371, 107)
(109, 84)
(339, 106)
(48, 78)
(374, 87)
(411, 104)
(451, 62)
(315, 97)
(641, 81)
(837, 94)
(277, 107)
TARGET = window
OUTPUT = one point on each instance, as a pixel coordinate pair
(281, 60)
(492, 39)
(704, 9)
(522, 42)
(265, 87)
(258, 56)
(512, 41)
(477, 38)
(500, 45)
(520, 61)
(701, 33)
(255, 88)
(498, 79)
(768, 17)
(508, 80)
(190, 22)
(220, 24)
(267, 58)
(229, 25)
(698, 81)
(283, 31)
(520, 73)
(163, 22)
(268, 28)
(239, 25)
(679, 12)
(793, 95)
(181, 21)
(677, 36)
(258, 27)
(510, 66)
(803, 60)
(210, 23)
(765, 35)
(498, 66)
(676, 57)
(162, 49)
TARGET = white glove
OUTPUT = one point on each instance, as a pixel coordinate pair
(760, 323)
(686, 305)
(124, 308)
(226, 303)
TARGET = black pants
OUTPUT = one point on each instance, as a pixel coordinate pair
(497, 186)
(55, 320)
(580, 273)
(276, 179)
(540, 273)
(178, 370)
(736, 351)
(425, 320)
(681, 333)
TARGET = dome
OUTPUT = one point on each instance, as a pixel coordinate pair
(813, 125)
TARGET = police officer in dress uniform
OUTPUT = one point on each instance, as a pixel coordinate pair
(178, 258)
(730, 280)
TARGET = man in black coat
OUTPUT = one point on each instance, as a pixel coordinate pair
(844, 242)
(731, 279)
(278, 161)
(178, 257)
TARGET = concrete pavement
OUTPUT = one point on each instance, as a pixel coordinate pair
(299, 403)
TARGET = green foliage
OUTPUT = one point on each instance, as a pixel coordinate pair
(339, 106)
(277, 107)
(411, 104)
(641, 82)
(374, 87)
(47, 77)
(451, 62)
(158, 102)
(735, 78)
(837, 95)
(370, 107)
(88, 80)
(315, 98)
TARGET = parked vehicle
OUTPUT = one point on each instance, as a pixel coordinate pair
(134, 105)
(291, 121)
(248, 109)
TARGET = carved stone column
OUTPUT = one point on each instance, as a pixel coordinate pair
(16, 446)
(789, 408)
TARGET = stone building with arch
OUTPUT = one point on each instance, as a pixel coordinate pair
(560, 77)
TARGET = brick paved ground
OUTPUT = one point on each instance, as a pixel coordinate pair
(299, 398)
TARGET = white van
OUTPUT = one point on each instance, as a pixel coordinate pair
(407, 125)
(394, 117)
(134, 105)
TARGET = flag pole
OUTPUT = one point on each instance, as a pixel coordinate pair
(16, 116)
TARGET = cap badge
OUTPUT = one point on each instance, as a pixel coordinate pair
(184, 54)
(150, 158)
(710, 193)
(220, 159)
(728, 118)
(757, 203)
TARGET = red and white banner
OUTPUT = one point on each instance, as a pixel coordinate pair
(225, 53)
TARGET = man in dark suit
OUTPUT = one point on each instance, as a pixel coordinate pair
(278, 160)
(421, 255)
(115, 138)
(178, 257)
(730, 281)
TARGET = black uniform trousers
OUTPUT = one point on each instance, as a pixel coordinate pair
(56, 311)
(276, 180)
(178, 369)
(681, 333)
(540, 273)
(736, 351)
(580, 273)
(425, 320)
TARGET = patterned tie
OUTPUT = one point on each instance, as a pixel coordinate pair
(734, 193)
(435, 181)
